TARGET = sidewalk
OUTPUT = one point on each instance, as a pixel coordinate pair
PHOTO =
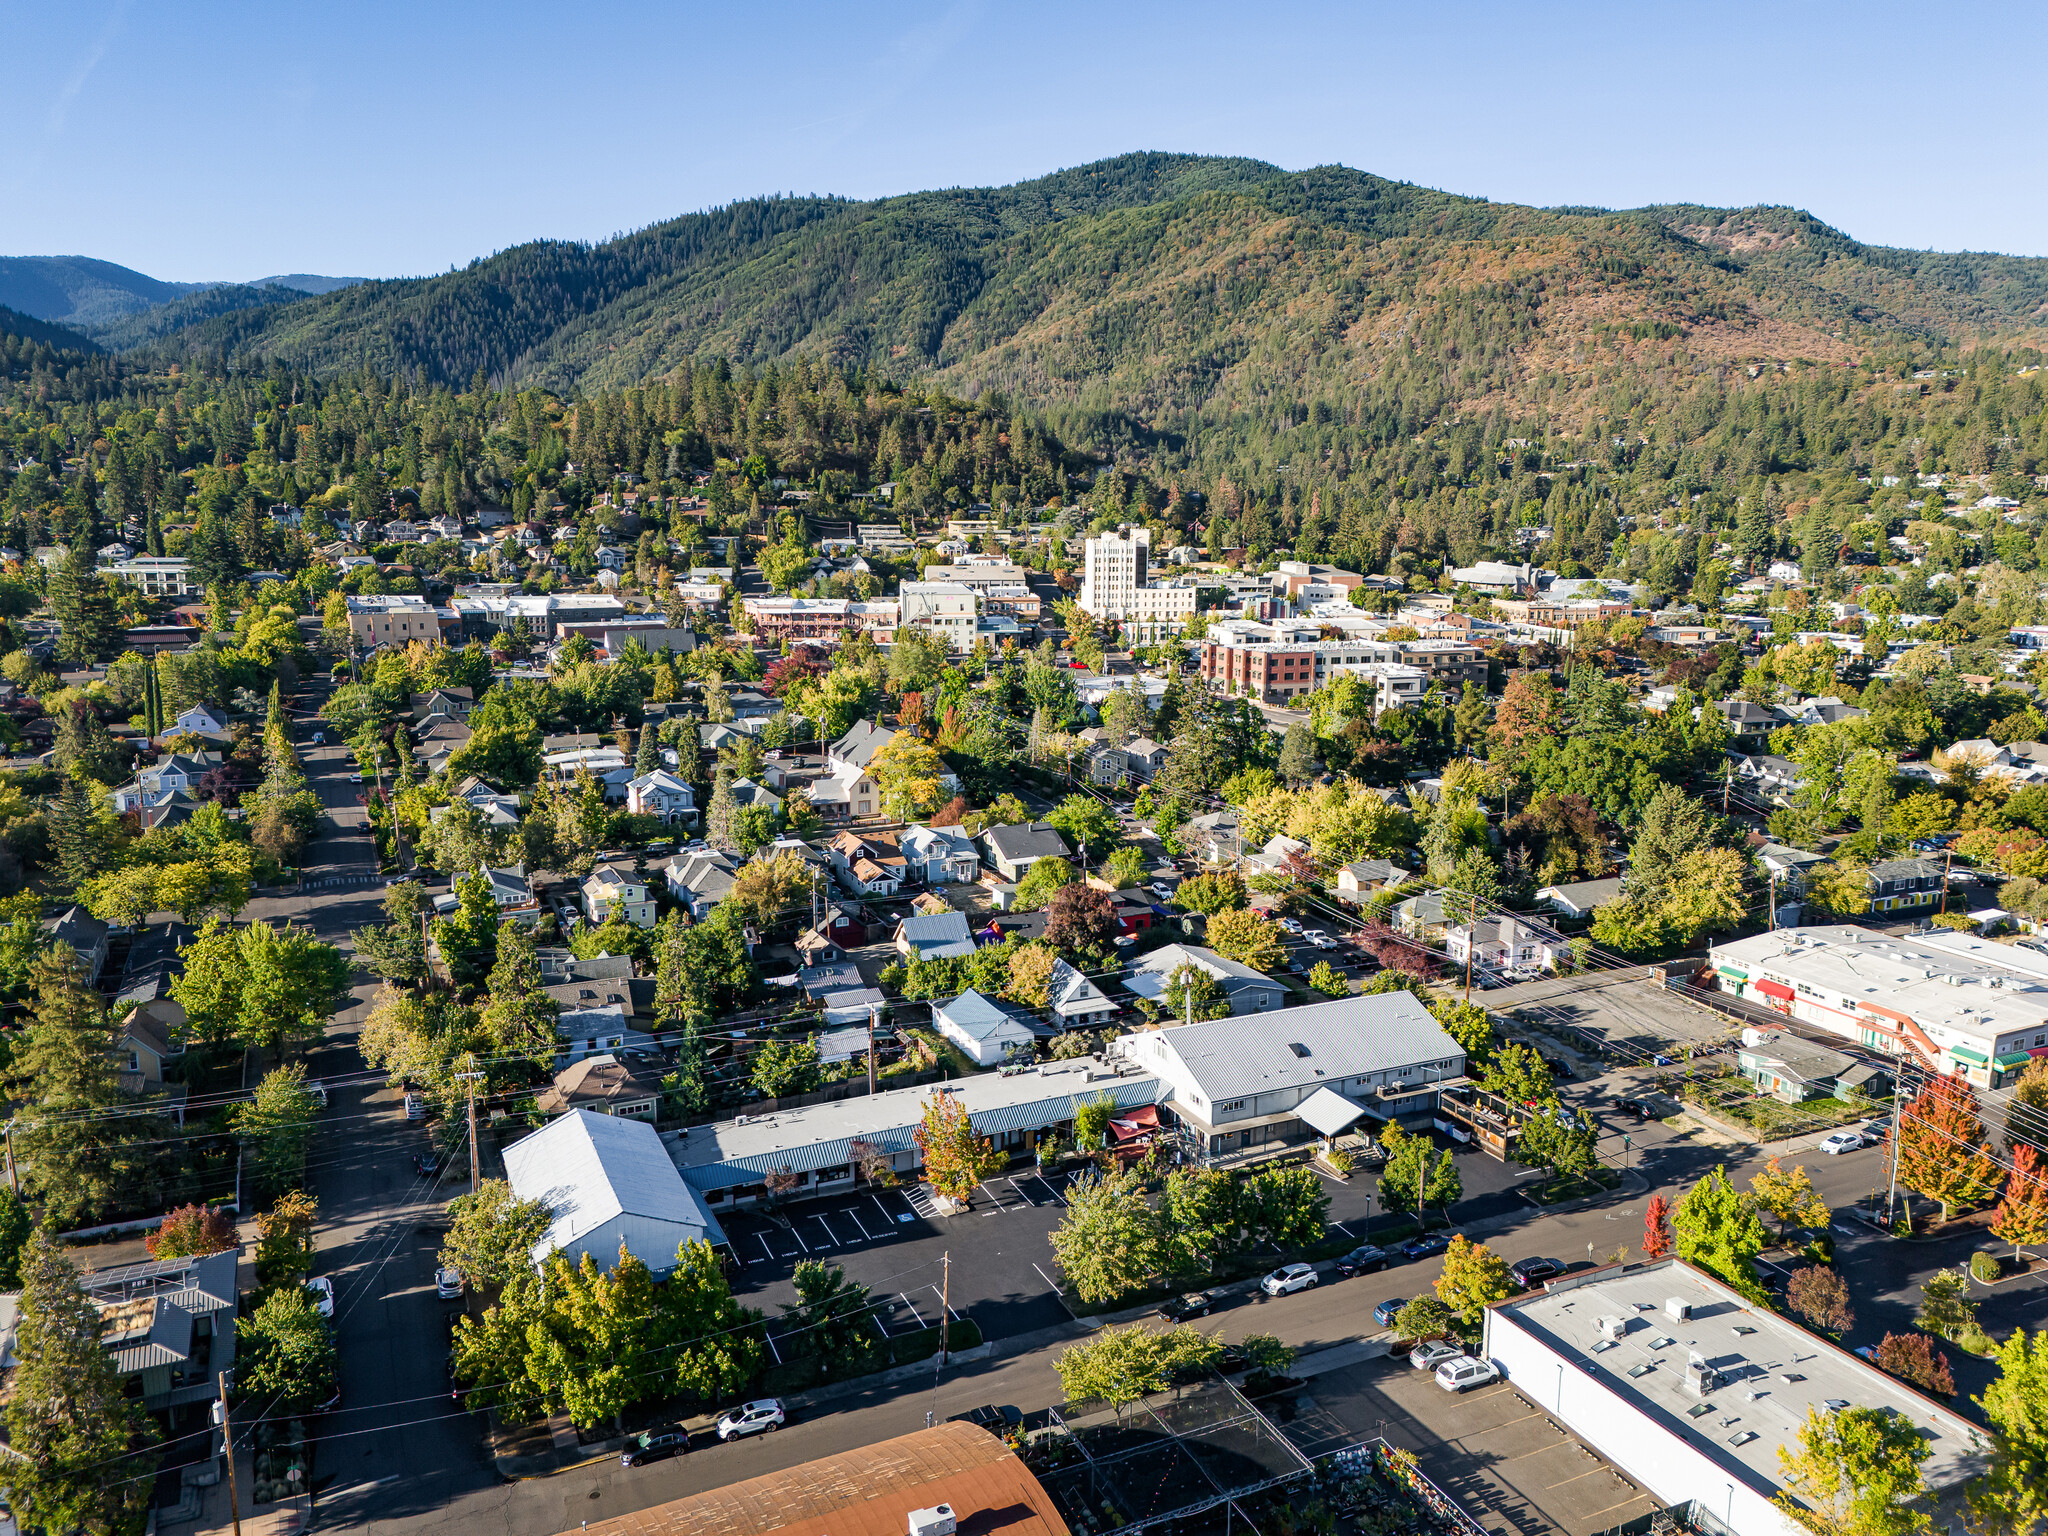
(205, 1509)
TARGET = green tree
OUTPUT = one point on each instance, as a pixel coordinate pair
(468, 939)
(1198, 1222)
(1415, 1175)
(73, 1431)
(14, 1233)
(1946, 1309)
(597, 1329)
(1298, 762)
(86, 611)
(1247, 938)
(1517, 1072)
(1210, 894)
(955, 1159)
(831, 1318)
(519, 1017)
(1855, 1472)
(715, 1353)
(1108, 1242)
(492, 1235)
(275, 1125)
(1425, 1317)
(1087, 823)
(1040, 881)
(2011, 1497)
(1328, 980)
(1469, 720)
(1287, 1207)
(285, 1351)
(1472, 1276)
(294, 984)
(1718, 1229)
(783, 1067)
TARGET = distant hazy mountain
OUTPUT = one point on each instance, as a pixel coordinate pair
(188, 309)
(305, 282)
(79, 290)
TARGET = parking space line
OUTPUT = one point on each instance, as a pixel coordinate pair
(1583, 1475)
(829, 1238)
(799, 1239)
(1057, 1199)
(876, 1314)
(913, 1309)
(886, 1217)
(1020, 1193)
(998, 1199)
(1344, 1229)
(864, 1232)
(942, 1301)
(762, 1238)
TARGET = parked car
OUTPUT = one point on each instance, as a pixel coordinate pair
(1288, 1279)
(762, 1415)
(998, 1421)
(1559, 1068)
(448, 1283)
(1464, 1372)
(415, 1107)
(655, 1445)
(1426, 1246)
(1161, 889)
(1385, 1313)
(322, 1289)
(1363, 1260)
(1290, 926)
(1635, 1108)
(1320, 939)
(1179, 1309)
(318, 1090)
(1530, 1273)
(319, 738)
(1427, 1357)
(1842, 1141)
(1876, 1131)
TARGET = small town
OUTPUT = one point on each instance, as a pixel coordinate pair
(1172, 847)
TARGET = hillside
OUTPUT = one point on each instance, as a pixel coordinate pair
(14, 323)
(125, 332)
(80, 291)
(1154, 285)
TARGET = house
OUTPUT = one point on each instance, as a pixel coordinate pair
(499, 813)
(748, 795)
(180, 770)
(1248, 991)
(661, 794)
(1143, 757)
(1073, 999)
(1504, 944)
(869, 863)
(604, 1085)
(149, 1039)
(1788, 868)
(168, 1323)
(1775, 779)
(700, 879)
(1213, 836)
(1749, 725)
(1788, 1068)
(1133, 912)
(1902, 885)
(1580, 898)
(940, 855)
(613, 890)
(510, 889)
(1366, 877)
(934, 938)
(1012, 850)
(1423, 917)
(839, 930)
(86, 935)
(1280, 855)
(1238, 1086)
(610, 1185)
(987, 1031)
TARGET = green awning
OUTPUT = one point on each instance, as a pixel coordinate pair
(1732, 973)
(2013, 1059)
(1964, 1053)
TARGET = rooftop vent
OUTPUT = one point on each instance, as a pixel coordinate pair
(1678, 1309)
(1613, 1327)
(936, 1521)
(1298, 1048)
(1701, 1379)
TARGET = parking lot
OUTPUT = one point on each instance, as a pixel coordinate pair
(1490, 1449)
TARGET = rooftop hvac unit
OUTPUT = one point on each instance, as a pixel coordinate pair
(1678, 1309)
(1613, 1327)
(936, 1521)
(1701, 1379)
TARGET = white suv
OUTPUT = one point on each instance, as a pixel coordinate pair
(751, 1418)
(1288, 1278)
(1463, 1372)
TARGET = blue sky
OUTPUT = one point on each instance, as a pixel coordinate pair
(225, 140)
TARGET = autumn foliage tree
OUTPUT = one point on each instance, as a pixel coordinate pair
(1941, 1146)
(191, 1232)
(1657, 1228)
(2022, 1216)
(1821, 1297)
(1912, 1357)
(955, 1159)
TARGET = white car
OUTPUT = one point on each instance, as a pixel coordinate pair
(1841, 1141)
(323, 1294)
(751, 1418)
(448, 1284)
(1161, 889)
(1320, 939)
(1463, 1372)
(1288, 1279)
(1289, 925)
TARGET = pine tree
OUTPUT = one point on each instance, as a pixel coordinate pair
(1298, 754)
(1941, 1141)
(722, 818)
(69, 1424)
(1470, 718)
(86, 611)
(76, 834)
(648, 757)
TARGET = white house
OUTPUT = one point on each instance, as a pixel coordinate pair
(986, 1031)
(205, 719)
(611, 1185)
(940, 855)
(661, 794)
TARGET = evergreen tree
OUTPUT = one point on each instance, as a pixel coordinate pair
(85, 610)
(648, 757)
(215, 553)
(78, 837)
(1469, 721)
(722, 818)
(1298, 754)
(71, 1427)
(520, 1016)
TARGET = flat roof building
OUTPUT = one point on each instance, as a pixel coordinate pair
(1690, 1389)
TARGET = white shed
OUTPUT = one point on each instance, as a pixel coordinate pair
(609, 1182)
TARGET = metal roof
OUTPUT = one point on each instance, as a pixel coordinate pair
(590, 1168)
(980, 1018)
(1329, 1111)
(1298, 1047)
(802, 1140)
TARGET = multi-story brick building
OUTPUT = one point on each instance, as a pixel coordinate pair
(1276, 663)
(818, 618)
(398, 619)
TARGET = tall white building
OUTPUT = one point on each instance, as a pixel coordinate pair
(1114, 585)
(946, 608)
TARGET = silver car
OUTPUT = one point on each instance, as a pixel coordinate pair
(763, 1414)
(1427, 1357)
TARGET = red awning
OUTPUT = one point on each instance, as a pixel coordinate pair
(1136, 1123)
(1775, 989)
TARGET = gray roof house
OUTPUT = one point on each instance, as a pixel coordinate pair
(1249, 991)
(1013, 849)
(1579, 898)
(1789, 1068)
(611, 1184)
(700, 879)
(1238, 1086)
(986, 1030)
(942, 937)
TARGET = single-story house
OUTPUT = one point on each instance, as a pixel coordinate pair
(1249, 991)
(1012, 850)
(1789, 1068)
(1505, 944)
(942, 937)
(987, 1031)
(1073, 999)
(1581, 897)
(605, 1085)
(1366, 877)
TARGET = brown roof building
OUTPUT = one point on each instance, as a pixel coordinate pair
(605, 1084)
(868, 1492)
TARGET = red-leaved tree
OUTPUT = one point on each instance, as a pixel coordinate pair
(1657, 1228)
(1910, 1357)
(1941, 1146)
(2022, 1216)
(191, 1232)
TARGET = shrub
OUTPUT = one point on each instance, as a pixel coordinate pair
(1339, 1161)
(1821, 1297)
(1977, 1341)
(1912, 1358)
(1984, 1266)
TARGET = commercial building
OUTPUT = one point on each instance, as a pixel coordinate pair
(982, 577)
(156, 575)
(398, 619)
(776, 619)
(1275, 663)
(1308, 583)
(1691, 1390)
(1115, 585)
(611, 1185)
(1968, 1012)
(946, 609)
(727, 1164)
(536, 615)
(1237, 1086)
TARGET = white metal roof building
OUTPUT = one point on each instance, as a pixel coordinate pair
(610, 1183)
(727, 1162)
(1978, 1010)
(1690, 1389)
(1241, 1083)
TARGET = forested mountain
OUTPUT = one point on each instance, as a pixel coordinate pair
(14, 323)
(186, 310)
(79, 290)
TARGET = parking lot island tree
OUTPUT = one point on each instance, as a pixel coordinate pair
(2022, 1216)
(955, 1159)
(1787, 1195)
(1941, 1146)
(1473, 1275)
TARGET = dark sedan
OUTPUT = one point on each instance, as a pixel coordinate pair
(1180, 1309)
(1636, 1108)
(1363, 1261)
(1427, 1246)
(1530, 1273)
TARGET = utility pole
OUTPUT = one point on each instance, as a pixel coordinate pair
(1947, 864)
(13, 1179)
(945, 1305)
(227, 1440)
(1471, 943)
(871, 1050)
(1891, 1198)
(475, 1173)
(1774, 902)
